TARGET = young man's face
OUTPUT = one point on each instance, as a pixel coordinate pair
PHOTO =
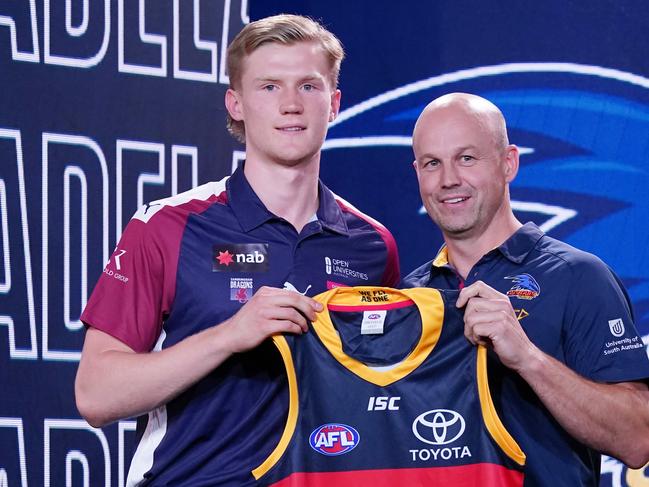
(285, 99)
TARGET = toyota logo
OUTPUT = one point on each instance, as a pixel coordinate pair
(439, 426)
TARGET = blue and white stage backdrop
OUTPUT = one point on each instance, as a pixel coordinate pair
(105, 104)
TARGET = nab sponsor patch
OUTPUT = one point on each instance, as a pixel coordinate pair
(240, 289)
(525, 287)
(229, 257)
(334, 439)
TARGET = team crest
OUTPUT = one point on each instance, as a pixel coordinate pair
(525, 287)
(240, 289)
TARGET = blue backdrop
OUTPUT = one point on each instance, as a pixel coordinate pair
(109, 103)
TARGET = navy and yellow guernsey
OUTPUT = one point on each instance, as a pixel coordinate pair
(385, 390)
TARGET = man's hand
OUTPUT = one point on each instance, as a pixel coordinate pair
(489, 319)
(270, 311)
(611, 418)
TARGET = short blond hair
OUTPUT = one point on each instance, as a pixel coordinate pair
(282, 29)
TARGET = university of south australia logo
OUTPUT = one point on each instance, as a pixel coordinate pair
(617, 327)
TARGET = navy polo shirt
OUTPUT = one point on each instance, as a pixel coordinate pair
(574, 308)
(191, 261)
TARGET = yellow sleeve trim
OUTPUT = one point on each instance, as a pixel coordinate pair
(291, 420)
(431, 309)
(494, 425)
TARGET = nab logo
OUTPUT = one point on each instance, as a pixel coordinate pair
(334, 439)
(240, 257)
(439, 426)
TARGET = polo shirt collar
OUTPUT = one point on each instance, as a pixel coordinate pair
(245, 203)
(329, 213)
(515, 248)
(251, 212)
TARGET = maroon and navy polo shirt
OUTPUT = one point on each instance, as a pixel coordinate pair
(191, 261)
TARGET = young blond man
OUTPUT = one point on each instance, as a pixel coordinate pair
(181, 342)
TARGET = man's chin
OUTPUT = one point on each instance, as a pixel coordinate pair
(456, 230)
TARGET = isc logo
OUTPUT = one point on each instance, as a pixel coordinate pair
(334, 439)
(381, 403)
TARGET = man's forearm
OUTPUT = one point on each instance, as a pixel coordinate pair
(612, 418)
(113, 382)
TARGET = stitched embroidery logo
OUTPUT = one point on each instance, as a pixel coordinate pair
(525, 287)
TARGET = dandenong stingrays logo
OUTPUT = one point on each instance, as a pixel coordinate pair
(583, 132)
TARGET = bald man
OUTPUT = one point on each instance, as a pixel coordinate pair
(567, 365)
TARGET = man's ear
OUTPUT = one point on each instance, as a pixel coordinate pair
(511, 162)
(335, 105)
(233, 104)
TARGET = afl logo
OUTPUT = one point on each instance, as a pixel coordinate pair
(334, 439)
(439, 426)
(374, 316)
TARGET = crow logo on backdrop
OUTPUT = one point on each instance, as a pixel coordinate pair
(583, 132)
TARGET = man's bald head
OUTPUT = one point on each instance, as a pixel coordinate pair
(464, 165)
(485, 113)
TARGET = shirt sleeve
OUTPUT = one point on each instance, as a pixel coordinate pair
(602, 342)
(135, 290)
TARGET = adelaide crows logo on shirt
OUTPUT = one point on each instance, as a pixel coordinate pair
(229, 257)
(525, 287)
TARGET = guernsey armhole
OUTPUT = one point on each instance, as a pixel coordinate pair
(291, 420)
(494, 425)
